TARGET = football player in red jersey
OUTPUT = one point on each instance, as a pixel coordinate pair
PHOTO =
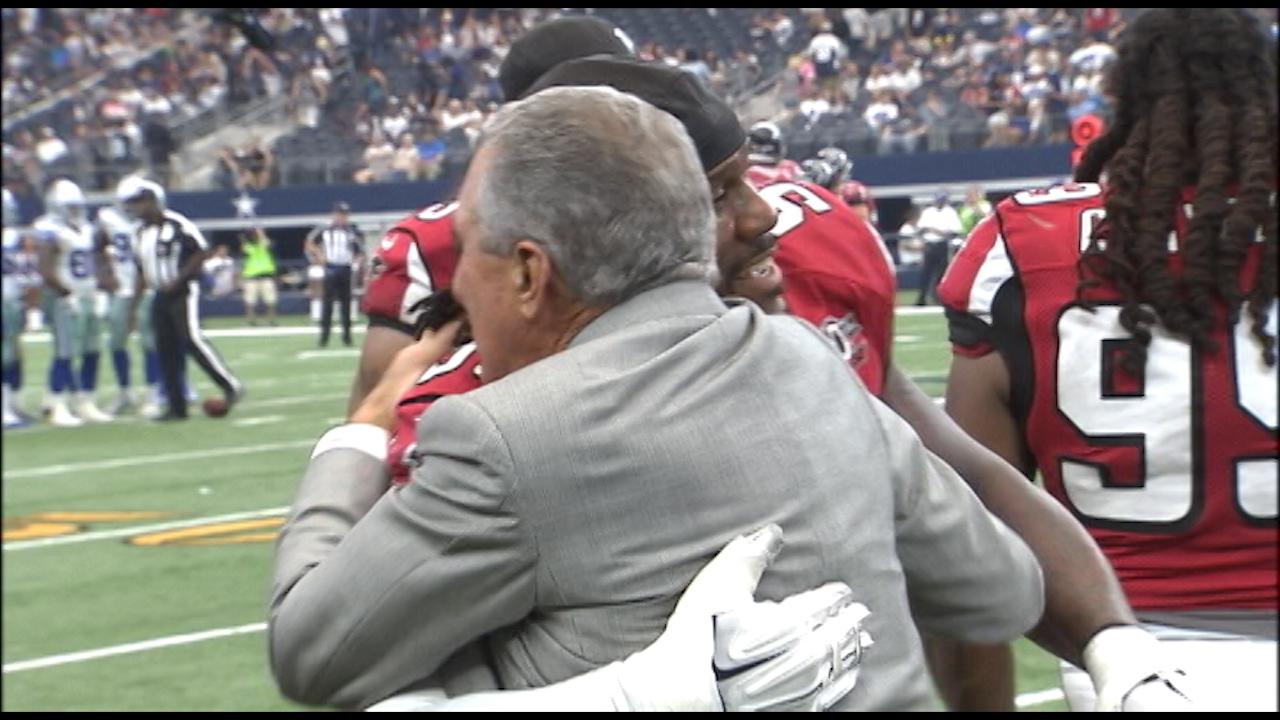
(768, 156)
(1083, 596)
(1120, 339)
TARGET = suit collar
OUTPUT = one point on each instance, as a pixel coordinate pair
(678, 299)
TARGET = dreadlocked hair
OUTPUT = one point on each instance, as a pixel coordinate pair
(1195, 100)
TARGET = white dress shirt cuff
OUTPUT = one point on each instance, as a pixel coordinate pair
(368, 439)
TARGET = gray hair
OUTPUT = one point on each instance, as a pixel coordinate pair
(611, 186)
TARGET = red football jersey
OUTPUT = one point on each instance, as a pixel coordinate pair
(1174, 473)
(764, 174)
(456, 374)
(415, 259)
(836, 273)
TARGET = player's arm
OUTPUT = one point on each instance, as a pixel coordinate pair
(1082, 595)
(48, 253)
(314, 250)
(390, 325)
(106, 270)
(197, 249)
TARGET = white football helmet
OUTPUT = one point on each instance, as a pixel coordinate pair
(65, 200)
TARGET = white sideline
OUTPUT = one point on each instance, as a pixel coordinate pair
(43, 335)
(140, 529)
(46, 470)
(75, 657)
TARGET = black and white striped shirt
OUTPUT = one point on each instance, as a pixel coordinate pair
(163, 249)
(341, 243)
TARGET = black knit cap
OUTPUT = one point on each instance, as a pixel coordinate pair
(711, 123)
(553, 42)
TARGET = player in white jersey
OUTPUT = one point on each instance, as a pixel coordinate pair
(68, 262)
(14, 286)
(115, 229)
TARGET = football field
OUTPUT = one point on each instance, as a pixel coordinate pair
(137, 555)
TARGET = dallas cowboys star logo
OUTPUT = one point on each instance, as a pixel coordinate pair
(246, 207)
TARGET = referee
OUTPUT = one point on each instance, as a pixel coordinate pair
(337, 246)
(170, 250)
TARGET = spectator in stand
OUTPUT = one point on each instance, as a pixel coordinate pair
(827, 53)
(936, 115)
(881, 112)
(51, 148)
(256, 164)
(405, 162)
(377, 158)
(902, 134)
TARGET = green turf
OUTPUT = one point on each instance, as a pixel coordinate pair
(102, 593)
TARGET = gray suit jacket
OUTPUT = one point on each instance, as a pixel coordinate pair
(559, 513)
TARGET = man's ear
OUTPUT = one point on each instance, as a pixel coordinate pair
(533, 276)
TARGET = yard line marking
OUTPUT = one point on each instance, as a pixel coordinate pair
(261, 420)
(907, 338)
(187, 639)
(43, 336)
(293, 400)
(46, 470)
(142, 529)
(912, 310)
(1039, 697)
(328, 354)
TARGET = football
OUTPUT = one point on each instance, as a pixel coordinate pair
(215, 407)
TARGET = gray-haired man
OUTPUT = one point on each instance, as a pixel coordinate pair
(622, 437)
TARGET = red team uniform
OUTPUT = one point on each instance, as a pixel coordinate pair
(415, 259)
(1173, 473)
(765, 174)
(836, 273)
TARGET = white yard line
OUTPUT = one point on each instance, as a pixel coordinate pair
(259, 420)
(141, 529)
(43, 336)
(1040, 697)
(913, 310)
(187, 639)
(47, 470)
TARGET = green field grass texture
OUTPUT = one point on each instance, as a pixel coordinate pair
(87, 582)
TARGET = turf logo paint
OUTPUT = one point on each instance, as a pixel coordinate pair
(47, 525)
(223, 533)
(56, 524)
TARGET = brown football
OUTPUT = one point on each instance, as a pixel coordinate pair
(215, 407)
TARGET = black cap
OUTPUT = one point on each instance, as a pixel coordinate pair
(554, 42)
(341, 206)
(711, 123)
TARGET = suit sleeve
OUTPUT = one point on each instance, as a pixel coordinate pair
(969, 576)
(374, 591)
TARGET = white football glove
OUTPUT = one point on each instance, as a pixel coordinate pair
(798, 654)
(801, 654)
(1131, 674)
